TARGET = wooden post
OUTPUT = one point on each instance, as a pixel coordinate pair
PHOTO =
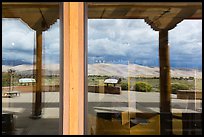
(73, 20)
(165, 84)
(37, 108)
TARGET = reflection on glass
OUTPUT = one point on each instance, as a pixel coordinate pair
(186, 79)
(30, 83)
(123, 80)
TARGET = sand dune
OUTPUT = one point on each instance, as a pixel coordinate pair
(53, 67)
(135, 70)
(120, 70)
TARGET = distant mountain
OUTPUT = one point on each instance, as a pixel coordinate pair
(116, 60)
(110, 59)
(15, 62)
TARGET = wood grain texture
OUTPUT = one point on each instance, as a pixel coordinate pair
(73, 59)
(65, 90)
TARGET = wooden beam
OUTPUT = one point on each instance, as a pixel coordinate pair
(125, 10)
(169, 18)
(183, 14)
(144, 4)
(30, 5)
(37, 108)
(165, 84)
(65, 68)
(42, 18)
(73, 68)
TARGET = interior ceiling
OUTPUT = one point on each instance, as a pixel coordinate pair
(159, 15)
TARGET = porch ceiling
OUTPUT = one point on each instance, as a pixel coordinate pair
(159, 15)
(38, 16)
(141, 10)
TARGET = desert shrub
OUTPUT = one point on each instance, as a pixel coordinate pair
(191, 78)
(142, 86)
(178, 86)
(181, 78)
(124, 86)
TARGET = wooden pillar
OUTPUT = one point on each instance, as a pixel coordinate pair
(73, 68)
(37, 104)
(165, 84)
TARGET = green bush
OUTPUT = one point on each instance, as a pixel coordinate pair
(191, 78)
(178, 86)
(142, 86)
(124, 86)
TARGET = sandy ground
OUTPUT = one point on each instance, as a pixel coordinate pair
(21, 107)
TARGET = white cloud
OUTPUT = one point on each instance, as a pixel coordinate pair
(18, 41)
(130, 38)
(186, 43)
(15, 31)
(107, 37)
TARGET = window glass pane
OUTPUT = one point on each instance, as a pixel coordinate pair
(124, 78)
(30, 69)
(186, 77)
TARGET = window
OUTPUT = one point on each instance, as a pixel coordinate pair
(30, 68)
(144, 69)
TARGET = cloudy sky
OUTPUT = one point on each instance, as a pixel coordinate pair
(18, 41)
(109, 41)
